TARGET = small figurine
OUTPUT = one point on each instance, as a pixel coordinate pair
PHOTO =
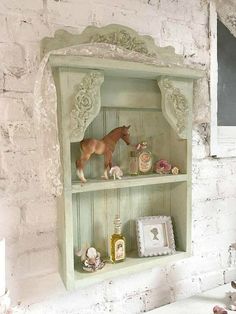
(219, 310)
(175, 170)
(162, 167)
(232, 306)
(91, 259)
(105, 146)
(116, 173)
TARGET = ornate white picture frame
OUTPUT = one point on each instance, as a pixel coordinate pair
(155, 236)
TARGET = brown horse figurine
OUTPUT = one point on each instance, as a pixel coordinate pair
(105, 146)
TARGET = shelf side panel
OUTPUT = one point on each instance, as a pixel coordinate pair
(179, 214)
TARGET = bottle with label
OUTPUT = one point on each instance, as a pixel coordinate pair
(144, 159)
(117, 248)
(133, 163)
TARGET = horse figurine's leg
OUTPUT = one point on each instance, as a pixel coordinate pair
(107, 163)
(80, 163)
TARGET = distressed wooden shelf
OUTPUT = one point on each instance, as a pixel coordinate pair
(126, 182)
(103, 87)
(132, 264)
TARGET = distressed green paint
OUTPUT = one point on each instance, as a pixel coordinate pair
(117, 35)
(129, 95)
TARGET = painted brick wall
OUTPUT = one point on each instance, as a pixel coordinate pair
(28, 216)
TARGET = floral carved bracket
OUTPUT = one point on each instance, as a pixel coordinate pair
(87, 103)
(175, 106)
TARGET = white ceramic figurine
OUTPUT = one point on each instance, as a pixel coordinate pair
(116, 172)
(91, 259)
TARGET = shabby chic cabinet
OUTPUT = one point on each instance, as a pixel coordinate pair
(112, 77)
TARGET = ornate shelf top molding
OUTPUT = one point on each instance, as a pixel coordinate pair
(116, 35)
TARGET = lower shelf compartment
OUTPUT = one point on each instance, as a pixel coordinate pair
(132, 264)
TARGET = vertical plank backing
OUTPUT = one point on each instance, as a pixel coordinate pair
(125, 213)
(136, 211)
(98, 132)
(100, 226)
(179, 214)
(85, 219)
(111, 210)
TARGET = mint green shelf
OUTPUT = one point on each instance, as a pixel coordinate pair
(126, 182)
(153, 94)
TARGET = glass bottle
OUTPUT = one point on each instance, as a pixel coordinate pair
(144, 159)
(133, 163)
(117, 245)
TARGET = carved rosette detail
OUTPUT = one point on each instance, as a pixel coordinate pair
(175, 107)
(87, 103)
(122, 39)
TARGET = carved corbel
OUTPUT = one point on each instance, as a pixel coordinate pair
(87, 103)
(175, 107)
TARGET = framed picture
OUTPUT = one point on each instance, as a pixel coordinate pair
(155, 236)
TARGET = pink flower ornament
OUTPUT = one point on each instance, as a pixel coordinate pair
(162, 167)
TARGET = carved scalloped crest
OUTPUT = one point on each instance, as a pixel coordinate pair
(87, 103)
(113, 34)
(174, 107)
(122, 38)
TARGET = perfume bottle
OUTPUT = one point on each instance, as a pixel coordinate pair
(133, 163)
(144, 159)
(117, 247)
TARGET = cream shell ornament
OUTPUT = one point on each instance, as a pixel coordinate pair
(91, 259)
(116, 172)
(175, 170)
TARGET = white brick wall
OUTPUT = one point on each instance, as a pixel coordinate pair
(28, 216)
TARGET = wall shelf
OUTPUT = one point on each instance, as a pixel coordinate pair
(106, 85)
(126, 182)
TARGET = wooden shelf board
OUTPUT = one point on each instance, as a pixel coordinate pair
(125, 182)
(132, 264)
(125, 68)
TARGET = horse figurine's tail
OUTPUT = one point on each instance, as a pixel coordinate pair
(80, 164)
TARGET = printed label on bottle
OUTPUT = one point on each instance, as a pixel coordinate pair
(119, 250)
(145, 162)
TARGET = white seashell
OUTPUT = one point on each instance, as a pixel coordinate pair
(116, 172)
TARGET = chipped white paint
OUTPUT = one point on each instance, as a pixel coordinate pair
(28, 212)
